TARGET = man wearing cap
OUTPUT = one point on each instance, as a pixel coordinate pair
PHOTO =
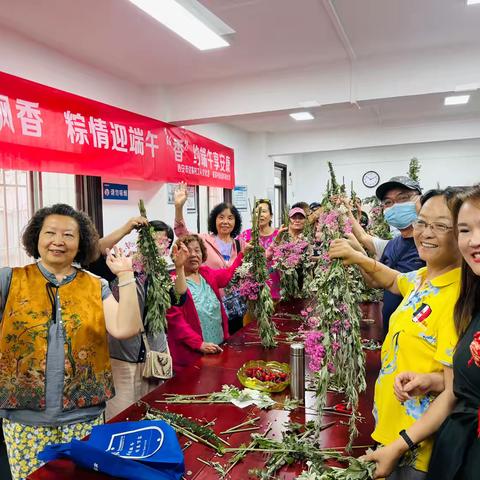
(399, 196)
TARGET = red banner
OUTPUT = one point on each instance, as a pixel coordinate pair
(49, 130)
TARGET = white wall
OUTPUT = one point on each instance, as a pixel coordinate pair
(252, 165)
(33, 61)
(445, 163)
(117, 212)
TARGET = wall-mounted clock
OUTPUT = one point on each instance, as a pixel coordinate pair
(371, 179)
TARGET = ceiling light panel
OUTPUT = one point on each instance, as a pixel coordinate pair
(457, 100)
(301, 116)
(187, 19)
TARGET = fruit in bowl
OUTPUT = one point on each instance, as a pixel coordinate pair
(265, 376)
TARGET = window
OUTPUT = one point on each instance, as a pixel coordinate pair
(215, 196)
(21, 193)
(16, 206)
(280, 182)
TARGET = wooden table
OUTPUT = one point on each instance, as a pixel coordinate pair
(213, 371)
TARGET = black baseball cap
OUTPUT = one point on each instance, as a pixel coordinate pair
(397, 182)
(314, 205)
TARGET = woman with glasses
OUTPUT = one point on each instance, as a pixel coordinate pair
(421, 338)
(456, 453)
(224, 225)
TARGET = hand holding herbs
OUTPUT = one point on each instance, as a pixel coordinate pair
(159, 281)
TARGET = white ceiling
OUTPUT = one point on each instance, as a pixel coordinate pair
(382, 113)
(274, 39)
(116, 36)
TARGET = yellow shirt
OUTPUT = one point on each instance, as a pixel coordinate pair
(421, 338)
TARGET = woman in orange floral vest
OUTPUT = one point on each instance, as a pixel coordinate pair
(55, 374)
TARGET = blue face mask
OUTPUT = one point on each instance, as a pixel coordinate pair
(401, 215)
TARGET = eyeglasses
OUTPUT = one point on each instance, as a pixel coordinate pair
(262, 200)
(435, 227)
(400, 198)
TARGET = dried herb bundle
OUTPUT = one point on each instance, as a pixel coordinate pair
(189, 428)
(262, 308)
(160, 283)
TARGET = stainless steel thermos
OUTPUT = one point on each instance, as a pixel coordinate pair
(297, 371)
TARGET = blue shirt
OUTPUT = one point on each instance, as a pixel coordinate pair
(225, 248)
(400, 254)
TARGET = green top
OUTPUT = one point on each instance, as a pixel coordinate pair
(208, 309)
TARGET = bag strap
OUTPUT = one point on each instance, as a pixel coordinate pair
(145, 342)
(147, 345)
(237, 245)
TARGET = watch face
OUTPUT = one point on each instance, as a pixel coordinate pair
(371, 179)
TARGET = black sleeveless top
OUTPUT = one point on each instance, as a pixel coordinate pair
(456, 453)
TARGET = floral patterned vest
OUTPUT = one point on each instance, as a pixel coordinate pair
(24, 339)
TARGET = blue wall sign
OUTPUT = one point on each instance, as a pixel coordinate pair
(115, 191)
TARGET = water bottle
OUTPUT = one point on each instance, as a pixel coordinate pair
(297, 371)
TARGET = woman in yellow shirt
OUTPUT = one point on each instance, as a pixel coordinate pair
(421, 338)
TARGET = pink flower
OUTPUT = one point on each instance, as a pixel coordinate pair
(335, 347)
(343, 307)
(335, 328)
(315, 349)
(347, 228)
(313, 322)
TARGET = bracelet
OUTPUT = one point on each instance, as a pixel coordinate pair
(408, 440)
(128, 282)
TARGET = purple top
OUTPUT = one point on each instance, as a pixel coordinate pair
(265, 241)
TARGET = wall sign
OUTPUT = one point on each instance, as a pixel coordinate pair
(115, 191)
(49, 130)
(240, 197)
(192, 199)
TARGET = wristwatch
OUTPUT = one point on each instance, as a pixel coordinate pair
(408, 440)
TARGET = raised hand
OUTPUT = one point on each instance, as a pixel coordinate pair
(280, 233)
(340, 248)
(354, 243)
(179, 254)
(135, 222)
(180, 194)
(118, 262)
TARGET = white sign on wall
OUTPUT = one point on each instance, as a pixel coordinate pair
(240, 197)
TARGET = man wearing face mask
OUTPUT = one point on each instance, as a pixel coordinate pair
(398, 197)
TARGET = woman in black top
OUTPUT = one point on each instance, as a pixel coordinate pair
(456, 454)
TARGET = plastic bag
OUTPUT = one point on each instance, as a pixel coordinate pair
(145, 450)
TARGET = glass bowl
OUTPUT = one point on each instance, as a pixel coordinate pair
(248, 376)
